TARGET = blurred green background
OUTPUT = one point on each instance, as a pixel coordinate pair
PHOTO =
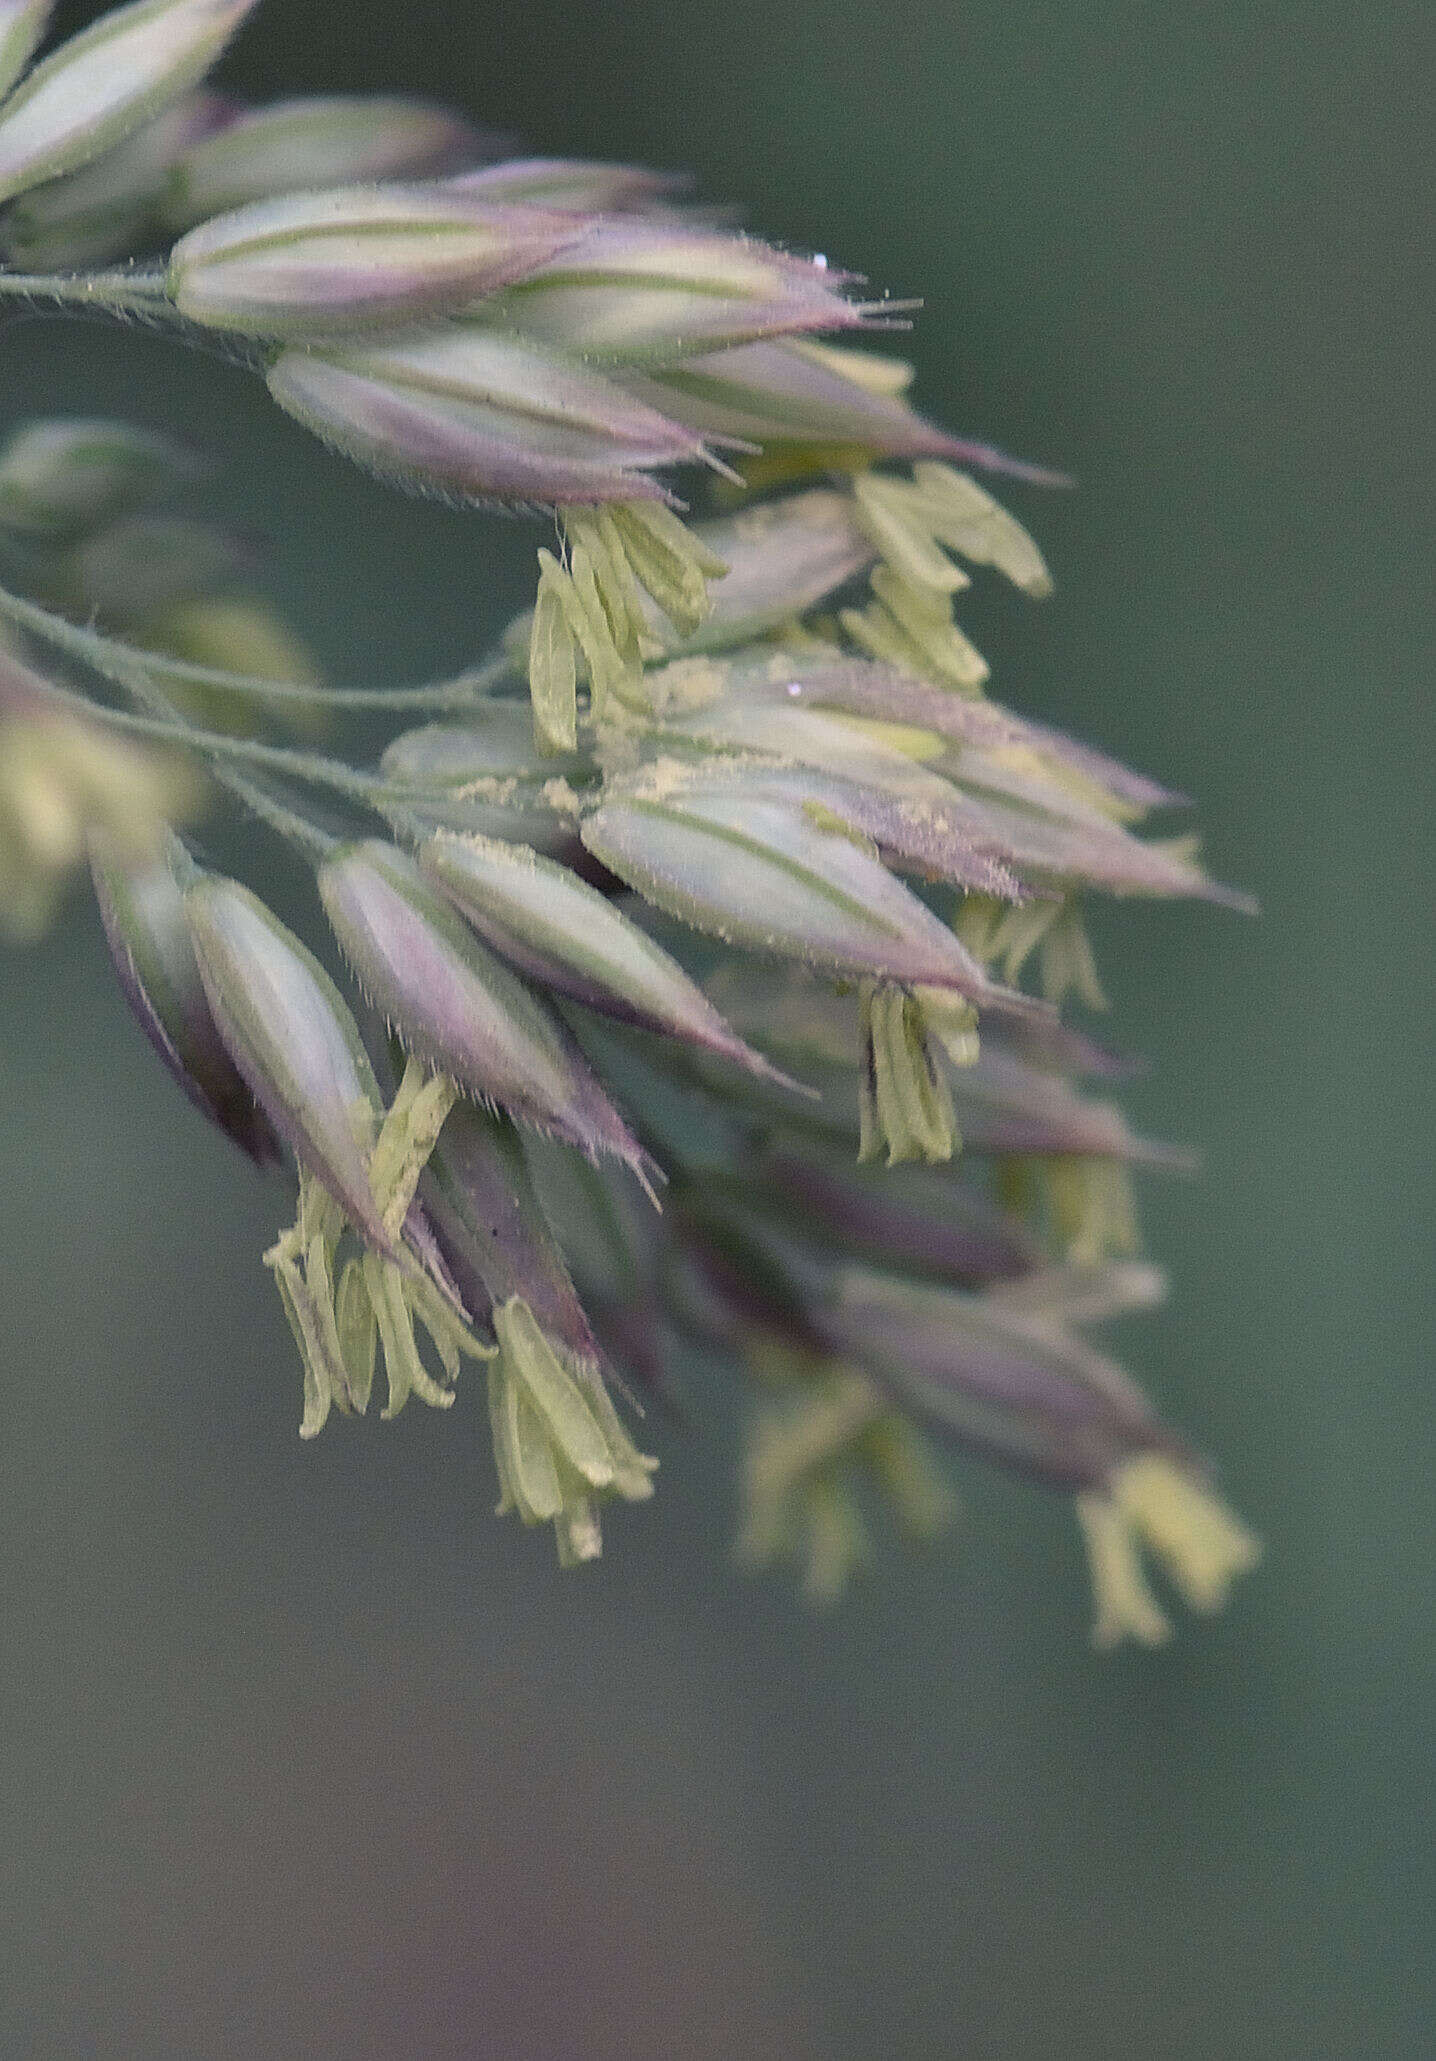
(306, 1755)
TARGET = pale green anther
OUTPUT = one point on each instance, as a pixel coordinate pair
(586, 623)
(891, 1078)
(1151, 1501)
(593, 607)
(940, 649)
(783, 557)
(878, 633)
(998, 933)
(903, 1460)
(1202, 1545)
(932, 650)
(409, 1134)
(914, 524)
(965, 517)
(22, 24)
(917, 607)
(904, 1101)
(813, 1520)
(917, 1084)
(528, 1477)
(552, 661)
(105, 82)
(942, 1138)
(606, 663)
(358, 1331)
(316, 1403)
(554, 1393)
(340, 1324)
(892, 515)
(631, 1468)
(406, 1372)
(557, 577)
(804, 1457)
(679, 590)
(452, 1336)
(953, 1022)
(400, 1297)
(536, 1486)
(322, 1374)
(577, 1532)
(1184, 850)
(668, 533)
(302, 1262)
(594, 533)
(1092, 1206)
(668, 560)
(319, 1276)
(586, 569)
(559, 1445)
(618, 583)
(1125, 1605)
(318, 1385)
(817, 1422)
(926, 617)
(498, 1386)
(1068, 964)
(837, 1544)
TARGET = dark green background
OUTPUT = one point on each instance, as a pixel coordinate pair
(306, 1755)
